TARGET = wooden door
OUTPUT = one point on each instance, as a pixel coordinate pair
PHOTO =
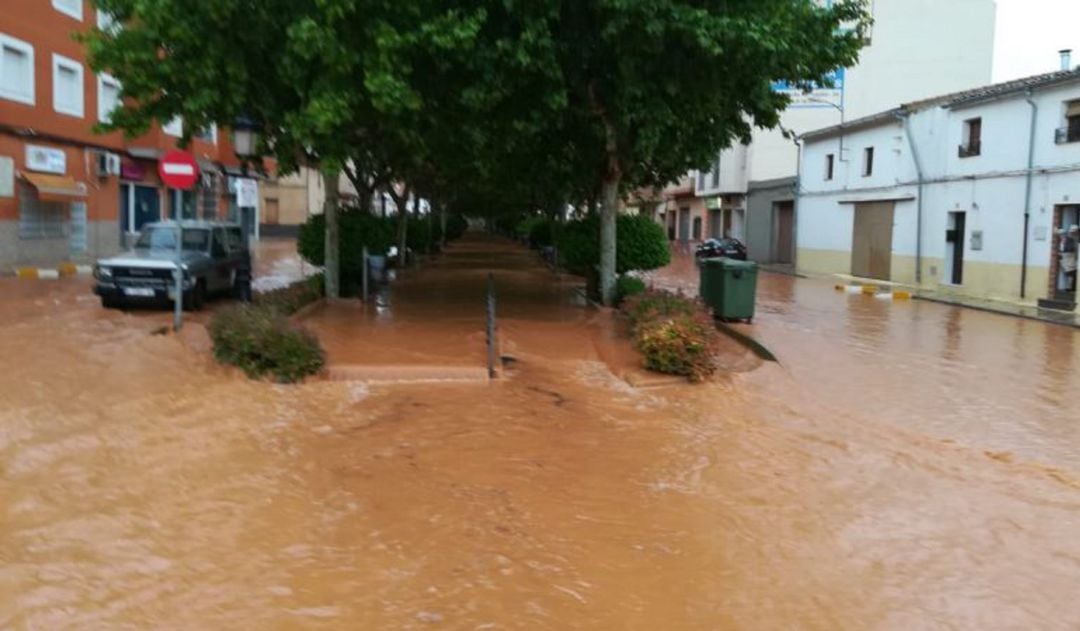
(270, 212)
(871, 246)
(785, 233)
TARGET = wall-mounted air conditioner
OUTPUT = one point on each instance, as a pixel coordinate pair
(108, 164)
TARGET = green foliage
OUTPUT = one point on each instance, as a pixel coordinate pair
(356, 229)
(526, 224)
(292, 298)
(641, 244)
(674, 334)
(627, 286)
(456, 225)
(542, 234)
(489, 104)
(259, 339)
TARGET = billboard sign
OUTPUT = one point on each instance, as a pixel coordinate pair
(819, 96)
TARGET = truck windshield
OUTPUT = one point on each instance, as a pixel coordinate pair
(195, 240)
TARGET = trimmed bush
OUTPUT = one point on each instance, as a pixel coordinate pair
(259, 339)
(356, 229)
(542, 234)
(288, 300)
(640, 244)
(456, 225)
(626, 286)
(674, 334)
(263, 343)
(525, 226)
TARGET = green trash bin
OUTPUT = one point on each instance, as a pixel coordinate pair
(729, 287)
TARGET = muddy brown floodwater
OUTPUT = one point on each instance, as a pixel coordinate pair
(904, 466)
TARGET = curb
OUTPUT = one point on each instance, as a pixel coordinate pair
(881, 293)
(63, 270)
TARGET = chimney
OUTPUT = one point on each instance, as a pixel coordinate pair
(1066, 59)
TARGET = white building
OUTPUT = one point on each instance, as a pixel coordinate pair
(965, 193)
(915, 49)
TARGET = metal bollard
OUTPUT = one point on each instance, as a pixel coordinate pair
(491, 340)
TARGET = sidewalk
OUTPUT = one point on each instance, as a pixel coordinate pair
(1030, 312)
(1015, 309)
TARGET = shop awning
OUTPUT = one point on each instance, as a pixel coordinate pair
(55, 188)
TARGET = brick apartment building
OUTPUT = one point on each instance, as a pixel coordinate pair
(66, 193)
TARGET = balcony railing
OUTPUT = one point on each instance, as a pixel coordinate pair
(972, 148)
(1067, 135)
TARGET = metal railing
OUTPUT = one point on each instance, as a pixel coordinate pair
(1066, 135)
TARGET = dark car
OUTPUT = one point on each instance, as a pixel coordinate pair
(721, 248)
(213, 258)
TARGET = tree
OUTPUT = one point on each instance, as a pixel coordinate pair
(664, 85)
(324, 78)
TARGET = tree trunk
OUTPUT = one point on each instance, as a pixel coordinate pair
(402, 203)
(609, 210)
(332, 257)
(442, 221)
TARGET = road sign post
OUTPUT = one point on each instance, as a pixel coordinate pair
(178, 170)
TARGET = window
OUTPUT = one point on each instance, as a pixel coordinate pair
(1071, 131)
(67, 86)
(209, 133)
(175, 127)
(972, 138)
(716, 174)
(108, 96)
(38, 219)
(830, 163)
(701, 181)
(72, 8)
(107, 22)
(16, 70)
(868, 162)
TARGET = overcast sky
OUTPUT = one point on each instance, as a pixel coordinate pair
(1029, 34)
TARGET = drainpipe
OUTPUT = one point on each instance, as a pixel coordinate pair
(794, 211)
(1027, 195)
(919, 203)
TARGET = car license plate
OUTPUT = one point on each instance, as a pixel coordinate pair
(140, 292)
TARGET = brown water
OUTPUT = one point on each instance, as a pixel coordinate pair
(904, 467)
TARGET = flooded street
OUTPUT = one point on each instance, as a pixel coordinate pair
(905, 465)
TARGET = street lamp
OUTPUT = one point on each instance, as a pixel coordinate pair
(245, 133)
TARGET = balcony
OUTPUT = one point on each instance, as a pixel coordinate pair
(972, 148)
(1066, 135)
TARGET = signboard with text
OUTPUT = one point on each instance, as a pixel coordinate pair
(819, 96)
(247, 193)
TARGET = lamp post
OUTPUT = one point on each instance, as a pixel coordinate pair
(245, 139)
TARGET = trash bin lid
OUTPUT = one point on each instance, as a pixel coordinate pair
(734, 264)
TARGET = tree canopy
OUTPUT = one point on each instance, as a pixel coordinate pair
(504, 104)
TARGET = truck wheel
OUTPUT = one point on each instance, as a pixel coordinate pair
(195, 299)
(242, 289)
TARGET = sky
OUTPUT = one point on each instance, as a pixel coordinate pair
(1029, 34)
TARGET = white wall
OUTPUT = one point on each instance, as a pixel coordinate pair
(990, 187)
(919, 49)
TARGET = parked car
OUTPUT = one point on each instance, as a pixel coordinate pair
(721, 248)
(214, 258)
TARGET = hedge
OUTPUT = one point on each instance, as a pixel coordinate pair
(674, 334)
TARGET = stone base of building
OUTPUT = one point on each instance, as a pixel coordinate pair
(102, 240)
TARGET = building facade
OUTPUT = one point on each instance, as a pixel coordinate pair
(915, 49)
(972, 193)
(67, 193)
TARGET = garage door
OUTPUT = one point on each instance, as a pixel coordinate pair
(871, 250)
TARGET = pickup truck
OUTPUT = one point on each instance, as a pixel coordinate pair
(213, 258)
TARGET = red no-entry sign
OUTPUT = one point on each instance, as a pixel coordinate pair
(178, 169)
